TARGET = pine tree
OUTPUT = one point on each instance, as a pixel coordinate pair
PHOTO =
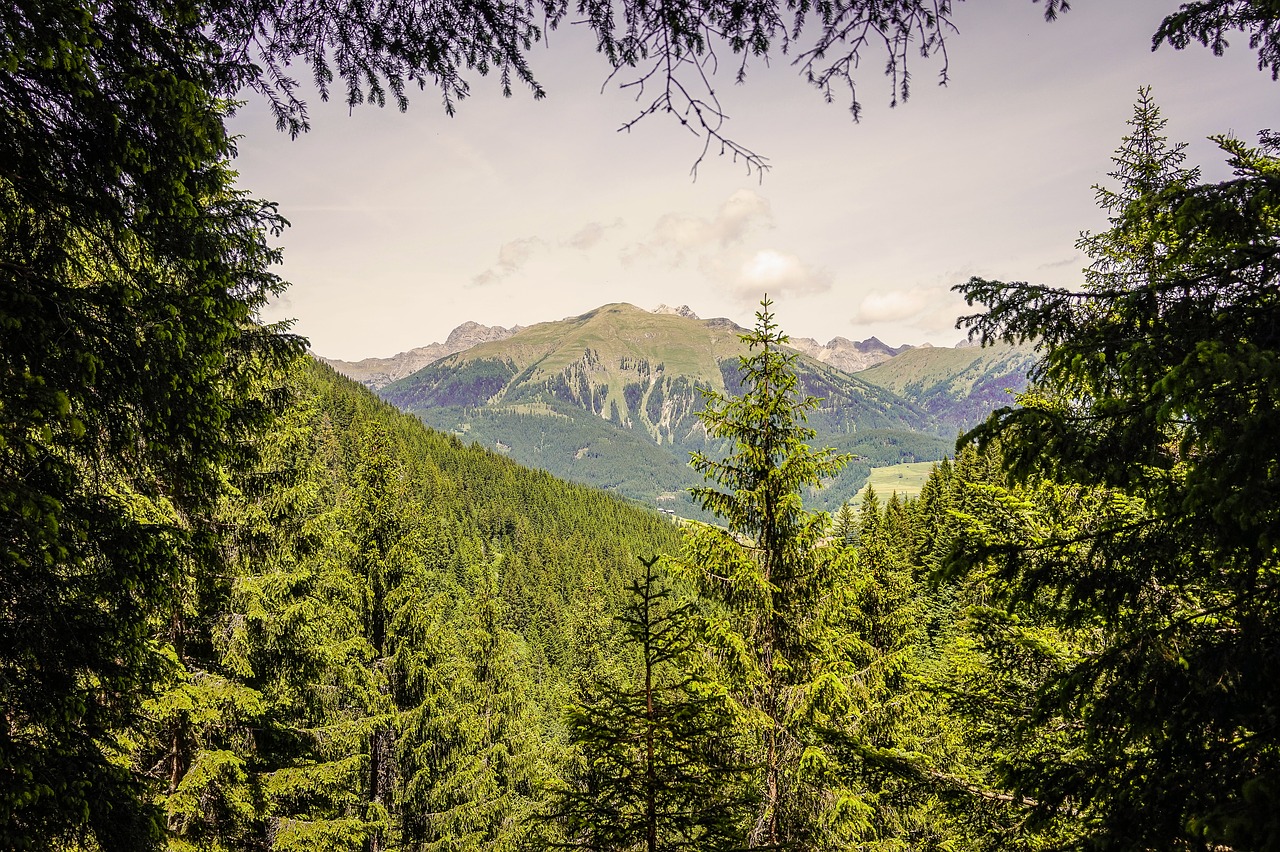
(946, 736)
(1154, 411)
(297, 630)
(473, 755)
(657, 759)
(765, 577)
(846, 525)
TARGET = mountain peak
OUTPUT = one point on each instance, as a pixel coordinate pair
(682, 311)
(379, 372)
(470, 333)
(847, 355)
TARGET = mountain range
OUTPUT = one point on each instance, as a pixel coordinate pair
(610, 397)
(376, 373)
(840, 352)
(957, 387)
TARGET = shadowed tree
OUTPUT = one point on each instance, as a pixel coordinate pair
(659, 764)
(1155, 402)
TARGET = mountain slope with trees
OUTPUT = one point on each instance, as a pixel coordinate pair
(380, 660)
(958, 387)
(133, 382)
(612, 397)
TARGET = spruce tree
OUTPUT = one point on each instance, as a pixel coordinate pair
(472, 754)
(766, 579)
(1154, 409)
(658, 766)
(846, 525)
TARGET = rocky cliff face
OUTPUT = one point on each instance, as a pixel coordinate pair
(682, 311)
(848, 355)
(377, 373)
(841, 353)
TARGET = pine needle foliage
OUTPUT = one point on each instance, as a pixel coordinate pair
(355, 675)
(1155, 409)
(659, 767)
(765, 579)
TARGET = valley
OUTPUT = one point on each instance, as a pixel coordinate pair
(568, 586)
(610, 398)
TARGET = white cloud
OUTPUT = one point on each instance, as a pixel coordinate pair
(676, 235)
(516, 253)
(512, 257)
(590, 235)
(893, 305)
(742, 211)
(907, 304)
(778, 274)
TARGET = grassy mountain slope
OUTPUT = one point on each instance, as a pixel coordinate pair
(610, 398)
(957, 387)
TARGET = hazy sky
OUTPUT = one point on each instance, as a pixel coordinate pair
(516, 211)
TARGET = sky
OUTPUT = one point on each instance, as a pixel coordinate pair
(516, 211)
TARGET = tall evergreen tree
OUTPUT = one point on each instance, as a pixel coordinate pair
(474, 755)
(1154, 410)
(846, 525)
(766, 577)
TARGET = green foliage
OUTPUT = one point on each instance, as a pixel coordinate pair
(1152, 426)
(475, 753)
(767, 585)
(130, 271)
(657, 765)
(369, 678)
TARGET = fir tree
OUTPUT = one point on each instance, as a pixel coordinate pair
(846, 525)
(473, 755)
(657, 762)
(765, 578)
(1154, 411)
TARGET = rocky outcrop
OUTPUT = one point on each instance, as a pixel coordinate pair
(377, 373)
(848, 355)
(682, 311)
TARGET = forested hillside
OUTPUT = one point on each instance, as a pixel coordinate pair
(247, 607)
(397, 641)
(382, 660)
(611, 398)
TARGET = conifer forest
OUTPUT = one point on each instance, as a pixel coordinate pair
(246, 605)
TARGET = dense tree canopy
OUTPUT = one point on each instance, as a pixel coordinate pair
(130, 367)
(135, 385)
(1155, 417)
